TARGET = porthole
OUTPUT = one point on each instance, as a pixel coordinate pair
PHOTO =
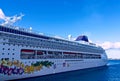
(6, 58)
(4, 39)
(2, 59)
(12, 58)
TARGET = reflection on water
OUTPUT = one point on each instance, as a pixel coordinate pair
(111, 72)
(113, 62)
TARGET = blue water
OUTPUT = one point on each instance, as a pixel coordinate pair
(109, 73)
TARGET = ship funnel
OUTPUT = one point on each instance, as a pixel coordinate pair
(82, 38)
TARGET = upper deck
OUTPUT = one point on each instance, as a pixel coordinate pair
(27, 32)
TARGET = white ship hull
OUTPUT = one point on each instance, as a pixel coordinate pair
(83, 64)
(24, 54)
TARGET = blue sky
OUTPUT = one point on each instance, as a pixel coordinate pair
(99, 19)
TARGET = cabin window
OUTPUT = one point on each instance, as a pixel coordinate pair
(27, 54)
(50, 52)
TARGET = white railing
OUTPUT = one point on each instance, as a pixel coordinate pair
(62, 40)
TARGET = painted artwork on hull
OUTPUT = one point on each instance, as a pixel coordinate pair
(8, 67)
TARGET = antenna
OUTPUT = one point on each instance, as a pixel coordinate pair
(30, 29)
(69, 37)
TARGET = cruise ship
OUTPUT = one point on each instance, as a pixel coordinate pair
(26, 54)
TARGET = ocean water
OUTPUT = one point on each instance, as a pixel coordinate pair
(109, 73)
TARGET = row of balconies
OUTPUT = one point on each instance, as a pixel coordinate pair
(24, 56)
(50, 44)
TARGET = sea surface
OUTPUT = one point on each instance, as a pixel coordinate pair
(109, 73)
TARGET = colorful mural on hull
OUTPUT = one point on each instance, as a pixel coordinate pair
(8, 67)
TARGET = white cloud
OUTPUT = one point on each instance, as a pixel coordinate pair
(113, 53)
(112, 49)
(109, 45)
(117, 45)
(9, 20)
(12, 20)
(2, 16)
